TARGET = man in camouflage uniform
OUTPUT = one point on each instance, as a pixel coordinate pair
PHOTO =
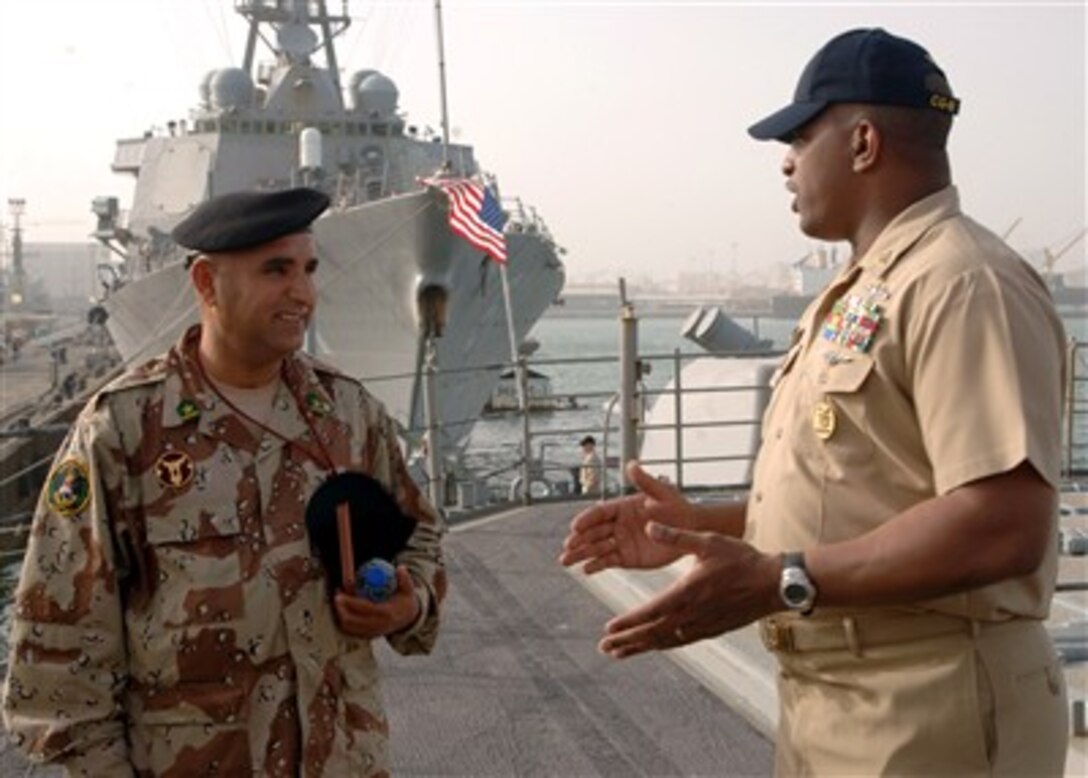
(171, 618)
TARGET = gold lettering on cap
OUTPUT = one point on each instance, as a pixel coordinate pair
(944, 103)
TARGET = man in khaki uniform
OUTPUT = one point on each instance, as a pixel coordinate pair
(171, 618)
(589, 474)
(899, 542)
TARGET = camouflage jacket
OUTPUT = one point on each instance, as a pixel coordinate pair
(171, 618)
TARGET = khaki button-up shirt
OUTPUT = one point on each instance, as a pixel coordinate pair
(934, 360)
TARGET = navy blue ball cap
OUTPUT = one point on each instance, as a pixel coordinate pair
(868, 66)
(242, 220)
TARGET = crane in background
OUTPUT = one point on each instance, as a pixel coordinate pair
(1005, 235)
(1050, 258)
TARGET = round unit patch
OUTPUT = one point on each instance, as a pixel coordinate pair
(69, 488)
(175, 469)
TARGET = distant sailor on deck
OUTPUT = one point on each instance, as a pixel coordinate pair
(172, 618)
(589, 474)
(899, 543)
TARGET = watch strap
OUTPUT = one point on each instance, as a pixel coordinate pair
(794, 559)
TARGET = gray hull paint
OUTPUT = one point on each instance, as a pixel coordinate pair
(293, 120)
(374, 260)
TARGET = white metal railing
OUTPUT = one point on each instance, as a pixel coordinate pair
(555, 434)
(1075, 437)
(534, 455)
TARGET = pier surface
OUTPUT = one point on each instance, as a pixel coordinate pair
(516, 687)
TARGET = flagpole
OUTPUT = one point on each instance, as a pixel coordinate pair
(475, 215)
(522, 404)
(522, 381)
(442, 86)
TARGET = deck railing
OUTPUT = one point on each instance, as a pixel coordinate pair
(546, 444)
(1075, 443)
(540, 457)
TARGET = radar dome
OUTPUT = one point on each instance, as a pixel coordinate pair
(206, 89)
(230, 88)
(374, 94)
(357, 78)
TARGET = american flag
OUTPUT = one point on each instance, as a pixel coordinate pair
(475, 215)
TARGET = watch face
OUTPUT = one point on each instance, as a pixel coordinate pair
(795, 593)
(795, 588)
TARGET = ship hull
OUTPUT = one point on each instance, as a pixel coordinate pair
(375, 260)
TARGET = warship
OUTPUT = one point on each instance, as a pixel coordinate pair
(396, 289)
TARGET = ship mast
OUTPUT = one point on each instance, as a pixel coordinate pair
(442, 87)
(17, 293)
(326, 38)
(291, 18)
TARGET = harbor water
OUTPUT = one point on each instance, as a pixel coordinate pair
(494, 447)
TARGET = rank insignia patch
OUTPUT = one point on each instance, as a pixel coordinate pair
(69, 488)
(174, 469)
(187, 409)
(316, 403)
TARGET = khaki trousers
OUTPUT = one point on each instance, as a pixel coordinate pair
(978, 700)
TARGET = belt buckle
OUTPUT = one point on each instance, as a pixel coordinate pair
(776, 636)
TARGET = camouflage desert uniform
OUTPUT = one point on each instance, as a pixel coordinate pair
(171, 619)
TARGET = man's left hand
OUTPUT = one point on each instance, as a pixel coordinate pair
(730, 586)
(363, 618)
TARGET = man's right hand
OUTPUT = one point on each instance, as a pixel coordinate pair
(613, 533)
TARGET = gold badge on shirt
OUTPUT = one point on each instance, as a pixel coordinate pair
(174, 469)
(823, 419)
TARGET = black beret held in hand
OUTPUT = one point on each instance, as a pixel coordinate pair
(379, 529)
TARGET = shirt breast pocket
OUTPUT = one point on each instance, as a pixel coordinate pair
(839, 412)
(198, 555)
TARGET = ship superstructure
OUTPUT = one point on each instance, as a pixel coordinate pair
(392, 275)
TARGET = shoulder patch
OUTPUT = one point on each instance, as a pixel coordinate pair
(151, 372)
(318, 366)
(69, 487)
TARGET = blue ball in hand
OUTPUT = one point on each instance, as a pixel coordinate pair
(376, 580)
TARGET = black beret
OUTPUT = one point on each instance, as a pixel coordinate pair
(241, 220)
(379, 529)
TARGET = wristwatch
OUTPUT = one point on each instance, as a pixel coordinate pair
(796, 588)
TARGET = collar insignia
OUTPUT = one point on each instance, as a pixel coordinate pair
(318, 404)
(188, 409)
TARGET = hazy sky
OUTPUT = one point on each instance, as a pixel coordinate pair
(623, 123)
